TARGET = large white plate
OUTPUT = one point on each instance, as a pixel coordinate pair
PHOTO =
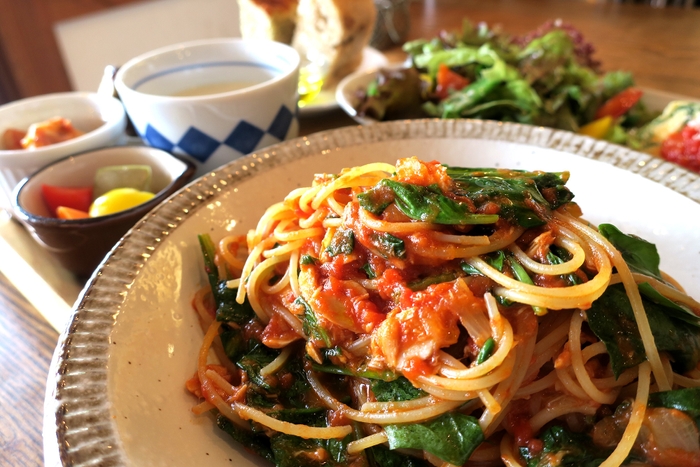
(372, 59)
(115, 394)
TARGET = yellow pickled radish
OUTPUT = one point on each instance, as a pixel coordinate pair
(597, 128)
(117, 200)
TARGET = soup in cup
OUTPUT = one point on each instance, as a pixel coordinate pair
(213, 100)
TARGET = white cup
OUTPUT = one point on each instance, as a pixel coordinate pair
(213, 100)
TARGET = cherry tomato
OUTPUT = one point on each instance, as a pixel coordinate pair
(119, 199)
(448, 80)
(72, 197)
(619, 104)
(683, 148)
(63, 212)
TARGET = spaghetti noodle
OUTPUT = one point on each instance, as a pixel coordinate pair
(421, 314)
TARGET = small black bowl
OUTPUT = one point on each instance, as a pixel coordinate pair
(81, 244)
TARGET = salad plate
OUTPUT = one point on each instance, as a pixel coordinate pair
(372, 59)
(116, 388)
(346, 94)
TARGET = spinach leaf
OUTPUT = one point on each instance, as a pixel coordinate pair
(521, 275)
(486, 351)
(573, 450)
(233, 342)
(367, 268)
(208, 252)
(611, 319)
(556, 255)
(376, 199)
(496, 260)
(253, 442)
(640, 255)
(343, 242)
(329, 353)
(387, 245)
(268, 392)
(310, 324)
(258, 397)
(383, 457)
(312, 416)
(524, 198)
(469, 269)
(428, 204)
(672, 308)
(519, 271)
(255, 360)
(307, 259)
(296, 395)
(452, 437)
(292, 451)
(686, 400)
(228, 309)
(361, 371)
(400, 389)
(422, 284)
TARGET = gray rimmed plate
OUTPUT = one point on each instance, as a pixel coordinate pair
(115, 393)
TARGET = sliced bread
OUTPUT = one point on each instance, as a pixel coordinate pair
(334, 32)
(268, 19)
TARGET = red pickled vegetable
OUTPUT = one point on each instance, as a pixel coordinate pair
(64, 212)
(12, 139)
(78, 198)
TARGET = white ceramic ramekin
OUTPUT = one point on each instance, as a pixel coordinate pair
(102, 118)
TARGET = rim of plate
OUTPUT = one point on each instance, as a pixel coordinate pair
(78, 429)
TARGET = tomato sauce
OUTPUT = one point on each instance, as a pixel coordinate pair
(421, 173)
(517, 423)
(422, 324)
(277, 333)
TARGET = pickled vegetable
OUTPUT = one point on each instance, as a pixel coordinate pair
(73, 197)
(119, 199)
(134, 176)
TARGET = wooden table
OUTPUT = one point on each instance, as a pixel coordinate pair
(661, 48)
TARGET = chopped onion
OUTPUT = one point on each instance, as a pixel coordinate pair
(673, 429)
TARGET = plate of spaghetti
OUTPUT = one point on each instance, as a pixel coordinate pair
(412, 293)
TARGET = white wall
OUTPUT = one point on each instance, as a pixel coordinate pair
(111, 37)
